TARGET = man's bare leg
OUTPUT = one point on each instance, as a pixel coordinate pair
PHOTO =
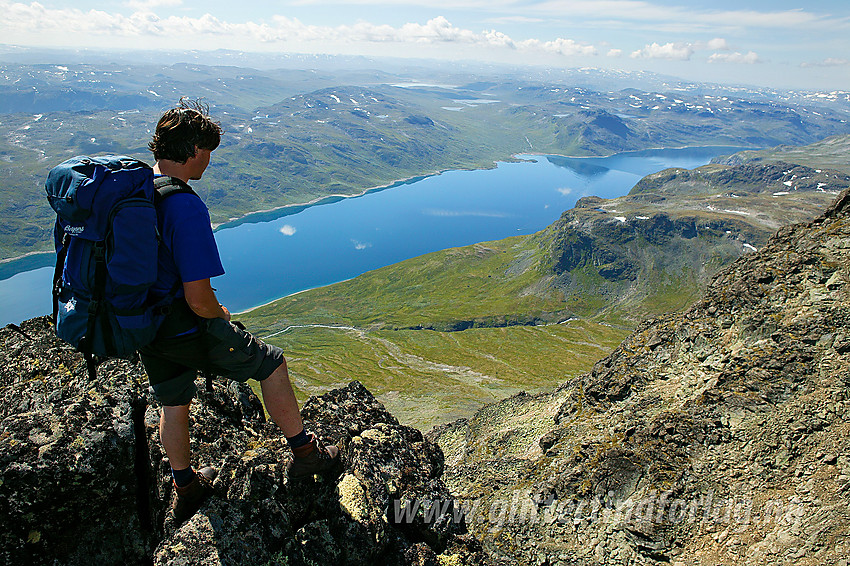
(280, 402)
(192, 487)
(310, 456)
(174, 434)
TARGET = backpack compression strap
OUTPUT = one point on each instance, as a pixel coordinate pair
(98, 292)
(61, 253)
(167, 186)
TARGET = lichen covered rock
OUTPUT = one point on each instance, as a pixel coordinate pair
(84, 479)
(67, 455)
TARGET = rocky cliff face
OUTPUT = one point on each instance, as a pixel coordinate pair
(717, 435)
(83, 479)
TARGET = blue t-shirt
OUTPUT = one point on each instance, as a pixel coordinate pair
(189, 252)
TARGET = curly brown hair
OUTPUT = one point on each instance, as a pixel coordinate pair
(182, 129)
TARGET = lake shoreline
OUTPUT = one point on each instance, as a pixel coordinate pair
(290, 295)
(24, 256)
(237, 220)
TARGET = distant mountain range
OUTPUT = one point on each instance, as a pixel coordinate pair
(295, 134)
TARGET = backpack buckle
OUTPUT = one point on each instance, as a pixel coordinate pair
(99, 251)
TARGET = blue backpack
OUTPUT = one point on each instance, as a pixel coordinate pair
(107, 242)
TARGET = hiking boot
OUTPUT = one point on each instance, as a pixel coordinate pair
(190, 498)
(312, 458)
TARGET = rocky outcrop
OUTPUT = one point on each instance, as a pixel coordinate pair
(742, 178)
(83, 479)
(716, 435)
(828, 153)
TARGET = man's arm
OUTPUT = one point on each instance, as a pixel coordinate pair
(202, 300)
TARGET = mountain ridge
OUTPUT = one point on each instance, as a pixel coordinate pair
(830, 153)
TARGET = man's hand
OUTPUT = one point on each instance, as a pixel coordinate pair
(202, 300)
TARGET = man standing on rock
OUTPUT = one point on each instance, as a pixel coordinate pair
(198, 335)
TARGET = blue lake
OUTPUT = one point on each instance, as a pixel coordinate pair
(271, 255)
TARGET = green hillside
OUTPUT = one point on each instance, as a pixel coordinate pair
(445, 290)
(396, 329)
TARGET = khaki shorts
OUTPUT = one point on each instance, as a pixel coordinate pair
(217, 347)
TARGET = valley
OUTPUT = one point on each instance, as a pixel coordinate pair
(435, 335)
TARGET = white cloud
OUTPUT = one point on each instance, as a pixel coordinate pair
(718, 44)
(615, 53)
(560, 45)
(149, 4)
(435, 29)
(677, 51)
(565, 191)
(37, 19)
(683, 51)
(287, 230)
(828, 62)
(498, 39)
(358, 245)
(736, 57)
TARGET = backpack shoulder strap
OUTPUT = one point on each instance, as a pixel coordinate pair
(167, 186)
(164, 187)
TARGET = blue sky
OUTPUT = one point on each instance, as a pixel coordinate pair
(776, 43)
